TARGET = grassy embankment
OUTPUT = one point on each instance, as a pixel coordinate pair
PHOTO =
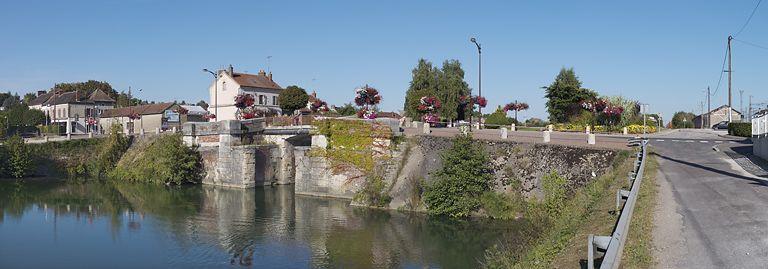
(590, 210)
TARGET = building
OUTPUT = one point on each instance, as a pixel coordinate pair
(193, 114)
(230, 84)
(717, 115)
(73, 112)
(150, 118)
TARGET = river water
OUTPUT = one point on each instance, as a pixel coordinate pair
(108, 225)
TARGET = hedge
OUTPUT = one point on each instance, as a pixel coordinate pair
(743, 129)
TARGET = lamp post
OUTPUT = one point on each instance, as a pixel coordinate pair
(215, 93)
(479, 82)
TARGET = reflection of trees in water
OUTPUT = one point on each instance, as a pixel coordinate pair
(241, 222)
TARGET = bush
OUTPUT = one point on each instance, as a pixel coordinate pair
(497, 119)
(502, 206)
(374, 193)
(110, 152)
(165, 160)
(555, 193)
(17, 158)
(743, 129)
(292, 98)
(458, 185)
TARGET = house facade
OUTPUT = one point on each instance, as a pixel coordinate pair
(717, 115)
(71, 111)
(230, 84)
(150, 118)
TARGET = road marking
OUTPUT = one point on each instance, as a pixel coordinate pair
(675, 140)
(702, 141)
(689, 141)
(718, 142)
(659, 140)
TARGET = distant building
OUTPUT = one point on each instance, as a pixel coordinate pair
(230, 84)
(193, 114)
(71, 111)
(150, 117)
(717, 115)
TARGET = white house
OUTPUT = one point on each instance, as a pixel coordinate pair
(73, 112)
(230, 84)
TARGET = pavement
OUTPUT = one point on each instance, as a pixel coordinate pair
(712, 212)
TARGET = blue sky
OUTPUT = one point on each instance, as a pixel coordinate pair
(659, 52)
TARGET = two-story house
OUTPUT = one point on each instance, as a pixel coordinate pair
(230, 84)
(73, 112)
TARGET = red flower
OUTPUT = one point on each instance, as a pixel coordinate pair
(244, 100)
(479, 101)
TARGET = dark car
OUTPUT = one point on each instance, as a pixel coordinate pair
(720, 126)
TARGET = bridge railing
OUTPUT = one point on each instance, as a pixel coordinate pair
(760, 125)
(612, 246)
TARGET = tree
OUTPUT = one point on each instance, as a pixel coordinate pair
(464, 177)
(28, 97)
(87, 87)
(202, 104)
(423, 83)
(565, 95)
(682, 119)
(347, 109)
(451, 86)
(292, 98)
(19, 161)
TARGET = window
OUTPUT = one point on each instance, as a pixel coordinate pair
(261, 99)
(274, 100)
(74, 127)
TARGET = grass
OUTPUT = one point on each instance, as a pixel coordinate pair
(638, 252)
(588, 211)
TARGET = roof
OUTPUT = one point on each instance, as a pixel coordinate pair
(722, 107)
(194, 110)
(255, 81)
(39, 100)
(140, 109)
(100, 96)
(62, 98)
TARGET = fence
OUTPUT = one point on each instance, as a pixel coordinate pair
(613, 245)
(760, 125)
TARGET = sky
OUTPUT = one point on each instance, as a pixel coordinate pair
(663, 53)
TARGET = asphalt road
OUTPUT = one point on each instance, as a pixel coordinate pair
(712, 213)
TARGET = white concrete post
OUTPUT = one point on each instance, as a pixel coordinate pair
(550, 127)
(426, 128)
(90, 134)
(157, 130)
(415, 124)
(626, 131)
(46, 138)
(588, 129)
(174, 129)
(547, 136)
(504, 132)
(591, 139)
(141, 131)
(69, 136)
(513, 127)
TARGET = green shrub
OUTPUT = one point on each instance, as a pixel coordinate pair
(374, 193)
(18, 158)
(497, 119)
(109, 154)
(743, 129)
(502, 206)
(458, 185)
(164, 160)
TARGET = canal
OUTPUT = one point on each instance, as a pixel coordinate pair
(110, 225)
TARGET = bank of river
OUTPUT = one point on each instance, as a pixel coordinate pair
(105, 225)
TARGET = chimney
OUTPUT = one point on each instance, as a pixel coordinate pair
(270, 76)
(40, 93)
(262, 73)
(231, 70)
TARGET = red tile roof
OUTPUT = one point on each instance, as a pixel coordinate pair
(140, 109)
(255, 81)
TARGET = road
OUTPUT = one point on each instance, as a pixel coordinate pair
(712, 213)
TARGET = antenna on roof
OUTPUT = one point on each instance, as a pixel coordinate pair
(269, 59)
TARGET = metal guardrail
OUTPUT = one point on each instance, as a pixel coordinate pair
(613, 245)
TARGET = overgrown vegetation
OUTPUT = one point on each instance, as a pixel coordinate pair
(162, 160)
(374, 193)
(565, 215)
(459, 184)
(15, 158)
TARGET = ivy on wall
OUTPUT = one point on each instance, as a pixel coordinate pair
(351, 142)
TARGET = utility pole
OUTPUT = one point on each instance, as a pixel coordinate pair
(730, 71)
(749, 115)
(741, 103)
(709, 109)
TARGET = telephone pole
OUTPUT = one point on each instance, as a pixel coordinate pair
(749, 115)
(709, 109)
(730, 107)
(741, 102)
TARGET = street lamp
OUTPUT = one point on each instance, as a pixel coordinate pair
(215, 94)
(479, 81)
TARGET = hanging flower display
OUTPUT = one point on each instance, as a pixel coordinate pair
(515, 107)
(92, 121)
(479, 101)
(134, 116)
(368, 114)
(209, 116)
(316, 105)
(428, 104)
(181, 111)
(595, 106)
(244, 100)
(367, 96)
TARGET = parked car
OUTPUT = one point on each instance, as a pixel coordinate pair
(720, 126)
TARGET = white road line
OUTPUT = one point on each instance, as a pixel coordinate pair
(689, 141)
(718, 142)
(659, 140)
(702, 141)
(675, 140)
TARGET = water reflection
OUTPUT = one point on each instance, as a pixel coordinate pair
(134, 225)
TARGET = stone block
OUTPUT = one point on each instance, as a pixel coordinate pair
(425, 128)
(591, 139)
(319, 141)
(504, 132)
(588, 129)
(550, 127)
(547, 135)
(513, 127)
(625, 131)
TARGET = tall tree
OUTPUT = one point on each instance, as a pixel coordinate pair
(28, 97)
(451, 87)
(292, 98)
(565, 95)
(424, 82)
(88, 87)
(682, 119)
(202, 104)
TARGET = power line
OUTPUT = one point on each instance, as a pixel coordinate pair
(722, 68)
(749, 19)
(751, 44)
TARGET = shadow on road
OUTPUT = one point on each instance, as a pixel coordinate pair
(725, 173)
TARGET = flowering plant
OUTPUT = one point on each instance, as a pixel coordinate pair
(515, 106)
(595, 106)
(92, 121)
(209, 116)
(134, 116)
(244, 100)
(367, 96)
(365, 113)
(430, 118)
(428, 104)
(181, 111)
(479, 101)
(317, 105)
